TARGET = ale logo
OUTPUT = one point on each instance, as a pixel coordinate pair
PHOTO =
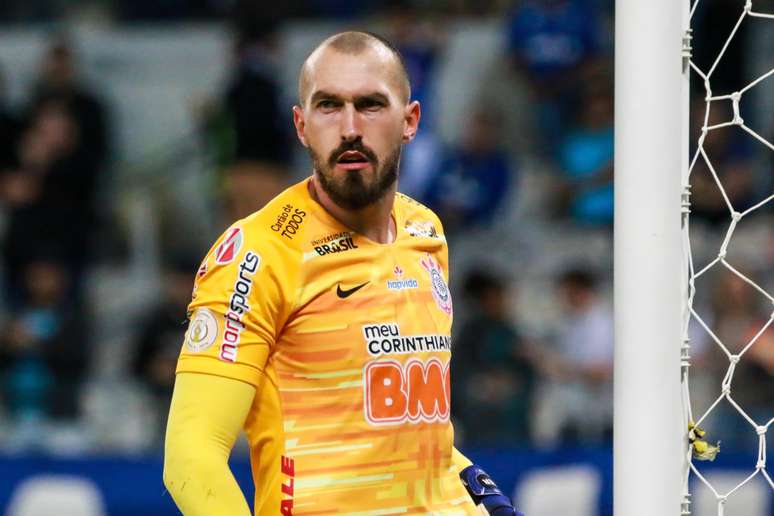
(288, 468)
(417, 391)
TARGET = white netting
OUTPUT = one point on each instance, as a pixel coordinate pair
(738, 351)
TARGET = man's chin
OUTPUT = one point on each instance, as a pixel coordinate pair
(353, 194)
(355, 188)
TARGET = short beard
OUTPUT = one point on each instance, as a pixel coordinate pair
(351, 192)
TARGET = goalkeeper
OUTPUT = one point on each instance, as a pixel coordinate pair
(320, 325)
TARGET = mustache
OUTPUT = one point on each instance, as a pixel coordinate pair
(355, 145)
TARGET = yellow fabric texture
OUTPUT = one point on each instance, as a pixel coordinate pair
(201, 431)
(460, 460)
(348, 344)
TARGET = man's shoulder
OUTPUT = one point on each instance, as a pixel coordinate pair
(281, 220)
(269, 232)
(418, 219)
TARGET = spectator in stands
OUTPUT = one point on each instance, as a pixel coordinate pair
(58, 81)
(550, 42)
(768, 246)
(711, 24)
(21, 11)
(472, 180)
(338, 9)
(419, 164)
(249, 186)
(10, 127)
(737, 314)
(169, 10)
(49, 195)
(421, 44)
(585, 190)
(244, 128)
(252, 104)
(160, 336)
(581, 372)
(494, 376)
(730, 152)
(44, 346)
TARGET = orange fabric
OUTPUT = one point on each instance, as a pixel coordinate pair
(348, 344)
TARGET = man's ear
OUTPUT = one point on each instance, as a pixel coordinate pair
(299, 122)
(411, 121)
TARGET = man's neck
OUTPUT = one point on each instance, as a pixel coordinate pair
(374, 222)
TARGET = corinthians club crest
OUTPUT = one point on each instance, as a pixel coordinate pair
(438, 286)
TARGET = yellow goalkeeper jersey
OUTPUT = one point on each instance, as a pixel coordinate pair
(347, 342)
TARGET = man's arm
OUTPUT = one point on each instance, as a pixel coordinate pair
(201, 431)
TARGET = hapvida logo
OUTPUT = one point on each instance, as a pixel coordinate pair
(401, 283)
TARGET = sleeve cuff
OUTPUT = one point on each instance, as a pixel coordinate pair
(210, 365)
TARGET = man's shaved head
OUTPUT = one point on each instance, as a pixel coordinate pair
(355, 43)
(354, 115)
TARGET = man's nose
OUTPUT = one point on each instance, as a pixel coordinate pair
(350, 126)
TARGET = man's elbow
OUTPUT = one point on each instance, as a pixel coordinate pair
(181, 466)
(201, 484)
(172, 474)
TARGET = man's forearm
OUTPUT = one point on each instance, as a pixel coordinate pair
(203, 485)
(200, 434)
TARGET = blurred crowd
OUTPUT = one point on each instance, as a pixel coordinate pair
(540, 127)
(52, 152)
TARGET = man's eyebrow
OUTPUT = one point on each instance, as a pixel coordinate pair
(375, 96)
(320, 94)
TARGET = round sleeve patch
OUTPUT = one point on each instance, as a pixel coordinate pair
(202, 331)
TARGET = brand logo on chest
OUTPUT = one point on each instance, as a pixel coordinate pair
(401, 283)
(438, 286)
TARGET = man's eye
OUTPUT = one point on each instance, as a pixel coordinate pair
(371, 105)
(326, 104)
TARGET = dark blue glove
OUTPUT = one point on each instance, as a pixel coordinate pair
(484, 491)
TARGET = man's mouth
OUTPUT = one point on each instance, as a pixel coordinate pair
(352, 160)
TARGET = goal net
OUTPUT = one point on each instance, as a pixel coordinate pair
(718, 119)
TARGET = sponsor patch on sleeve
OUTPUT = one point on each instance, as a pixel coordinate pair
(202, 331)
(229, 248)
(238, 306)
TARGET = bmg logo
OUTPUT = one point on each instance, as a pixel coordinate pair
(417, 391)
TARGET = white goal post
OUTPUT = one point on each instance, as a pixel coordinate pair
(651, 146)
(655, 265)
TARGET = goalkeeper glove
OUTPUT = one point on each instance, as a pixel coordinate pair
(485, 492)
(702, 450)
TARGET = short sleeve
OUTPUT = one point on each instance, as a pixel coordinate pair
(238, 307)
